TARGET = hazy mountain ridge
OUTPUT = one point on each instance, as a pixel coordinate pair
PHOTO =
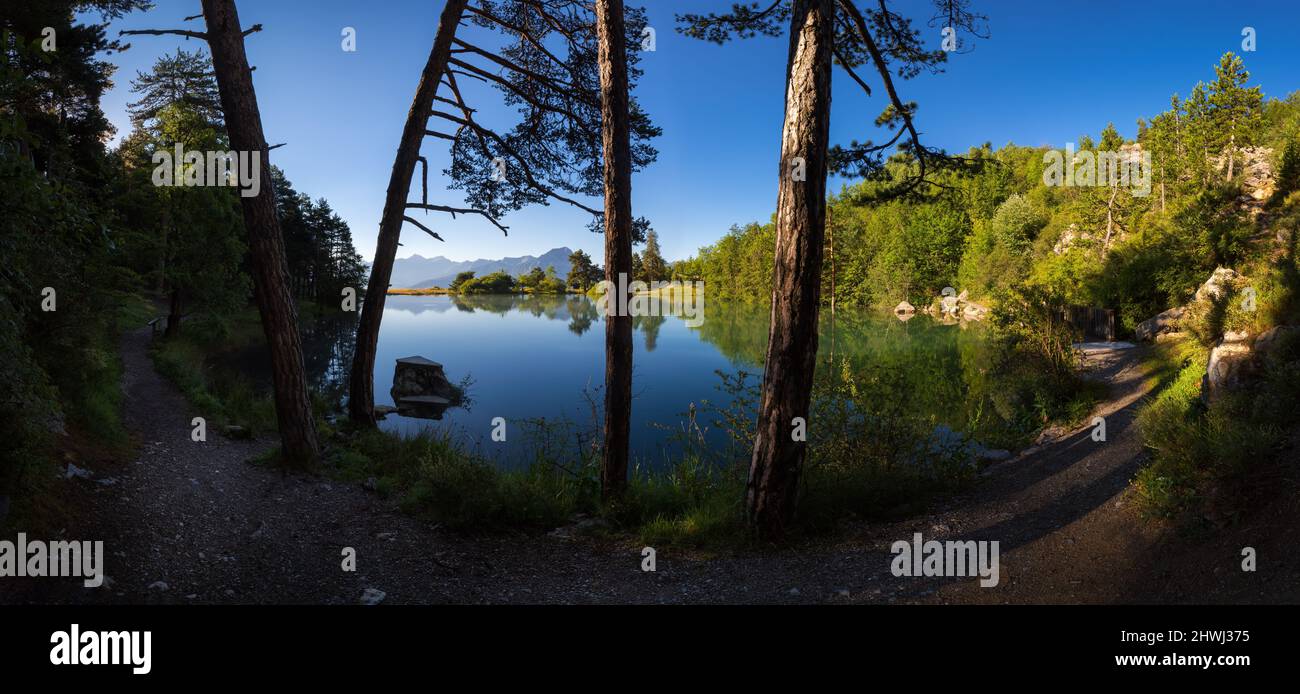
(418, 272)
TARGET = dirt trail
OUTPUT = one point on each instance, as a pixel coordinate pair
(194, 522)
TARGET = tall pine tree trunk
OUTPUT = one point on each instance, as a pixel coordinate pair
(1232, 154)
(774, 471)
(266, 247)
(361, 394)
(616, 137)
(174, 314)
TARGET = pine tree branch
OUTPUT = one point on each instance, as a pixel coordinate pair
(453, 211)
(164, 32)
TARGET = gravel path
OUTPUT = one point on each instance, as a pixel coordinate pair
(196, 523)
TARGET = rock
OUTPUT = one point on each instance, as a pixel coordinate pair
(426, 400)
(1069, 238)
(1253, 169)
(590, 524)
(794, 591)
(1218, 285)
(582, 526)
(74, 471)
(842, 592)
(904, 308)
(974, 311)
(234, 431)
(159, 586)
(1152, 328)
(416, 377)
(948, 304)
(372, 596)
(963, 296)
(995, 455)
(1230, 363)
(1269, 341)
(371, 484)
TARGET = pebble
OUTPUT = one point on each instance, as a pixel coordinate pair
(373, 596)
(159, 585)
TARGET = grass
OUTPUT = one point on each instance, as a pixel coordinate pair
(432, 476)
(223, 398)
(1207, 459)
(84, 392)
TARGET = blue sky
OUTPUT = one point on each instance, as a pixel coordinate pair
(1050, 71)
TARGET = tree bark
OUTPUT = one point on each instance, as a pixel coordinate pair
(773, 484)
(1232, 153)
(361, 395)
(174, 314)
(266, 246)
(616, 139)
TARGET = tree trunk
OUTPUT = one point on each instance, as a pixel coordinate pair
(1162, 187)
(1232, 148)
(1110, 218)
(830, 232)
(773, 484)
(361, 394)
(616, 139)
(174, 314)
(266, 247)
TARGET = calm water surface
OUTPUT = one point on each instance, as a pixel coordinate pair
(530, 357)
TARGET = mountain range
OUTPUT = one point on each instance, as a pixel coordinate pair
(418, 272)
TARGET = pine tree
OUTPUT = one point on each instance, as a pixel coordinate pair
(1237, 109)
(653, 266)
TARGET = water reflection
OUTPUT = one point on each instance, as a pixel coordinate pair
(532, 357)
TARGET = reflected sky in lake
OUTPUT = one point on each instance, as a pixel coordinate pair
(540, 357)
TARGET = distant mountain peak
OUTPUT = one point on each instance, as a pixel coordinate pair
(419, 272)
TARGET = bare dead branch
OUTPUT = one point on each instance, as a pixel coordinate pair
(164, 32)
(453, 211)
(423, 228)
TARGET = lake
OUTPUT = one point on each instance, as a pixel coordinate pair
(540, 357)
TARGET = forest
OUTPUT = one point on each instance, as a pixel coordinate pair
(1001, 225)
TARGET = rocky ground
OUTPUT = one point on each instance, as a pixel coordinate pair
(196, 523)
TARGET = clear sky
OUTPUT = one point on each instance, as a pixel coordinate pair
(1050, 71)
